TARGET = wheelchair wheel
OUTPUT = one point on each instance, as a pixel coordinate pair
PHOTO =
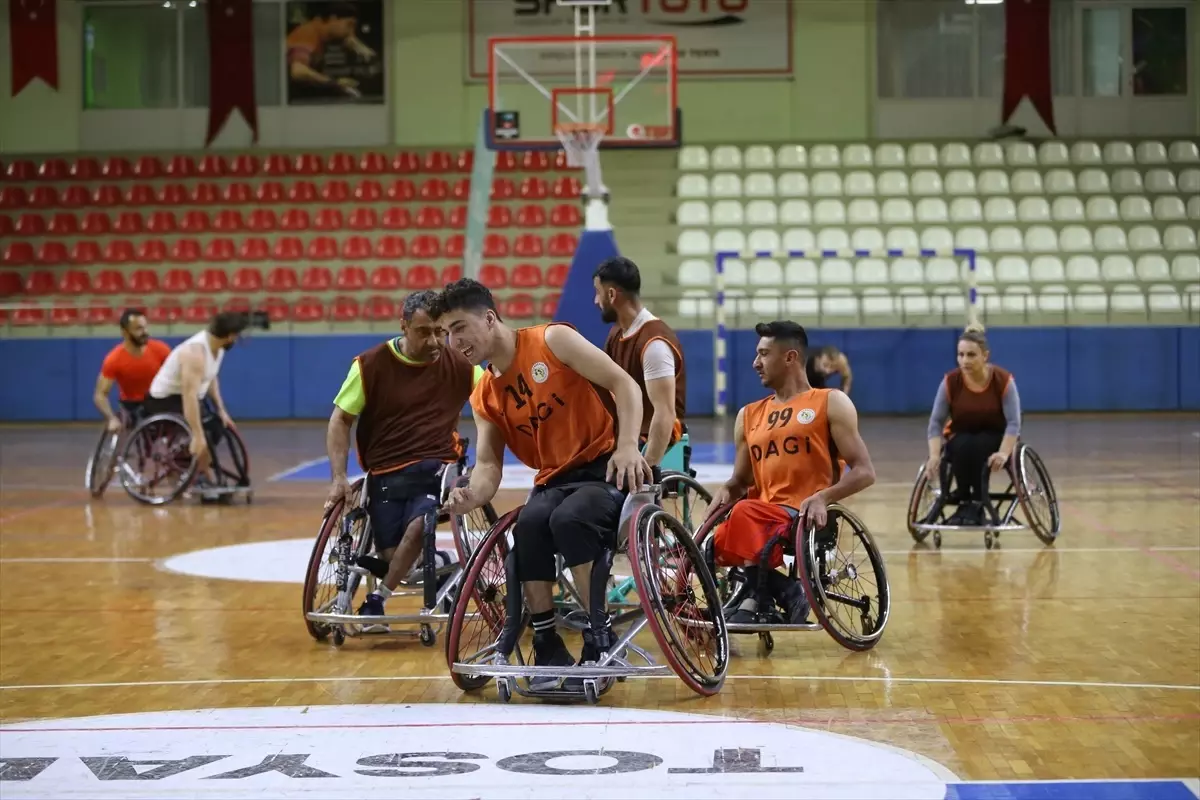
(237, 471)
(471, 529)
(685, 499)
(320, 580)
(924, 494)
(100, 466)
(732, 586)
(1039, 502)
(484, 593)
(851, 600)
(680, 599)
(156, 464)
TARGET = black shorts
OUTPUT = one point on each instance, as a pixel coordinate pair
(134, 411)
(214, 429)
(395, 499)
(578, 522)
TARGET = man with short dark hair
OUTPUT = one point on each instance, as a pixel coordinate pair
(132, 365)
(646, 348)
(407, 395)
(788, 446)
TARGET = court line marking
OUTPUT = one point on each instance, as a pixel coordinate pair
(814, 678)
(80, 560)
(298, 468)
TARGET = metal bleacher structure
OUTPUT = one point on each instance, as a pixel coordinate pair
(1065, 232)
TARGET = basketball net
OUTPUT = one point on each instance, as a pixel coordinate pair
(581, 143)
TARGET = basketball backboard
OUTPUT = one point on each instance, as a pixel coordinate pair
(625, 85)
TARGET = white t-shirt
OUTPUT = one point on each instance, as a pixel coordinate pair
(169, 380)
(658, 359)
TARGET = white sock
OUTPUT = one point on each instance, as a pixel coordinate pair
(382, 591)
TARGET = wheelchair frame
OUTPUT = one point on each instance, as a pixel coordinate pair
(642, 520)
(133, 481)
(816, 578)
(1023, 465)
(341, 620)
(102, 465)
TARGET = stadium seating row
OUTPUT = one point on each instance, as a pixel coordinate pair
(927, 154)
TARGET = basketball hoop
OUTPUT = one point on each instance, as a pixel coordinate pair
(581, 142)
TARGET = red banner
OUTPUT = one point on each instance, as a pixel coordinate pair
(33, 32)
(230, 64)
(1027, 58)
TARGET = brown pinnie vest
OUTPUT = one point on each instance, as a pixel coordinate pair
(627, 353)
(412, 410)
(974, 412)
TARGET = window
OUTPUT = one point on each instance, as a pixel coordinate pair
(268, 54)
(1160, 61)
(991, 48)
(131, 56)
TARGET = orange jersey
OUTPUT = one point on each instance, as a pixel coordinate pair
(791, 449)
(134, 374)
(552, 418)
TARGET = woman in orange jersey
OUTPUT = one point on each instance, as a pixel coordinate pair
(552, 398)
(788, 447)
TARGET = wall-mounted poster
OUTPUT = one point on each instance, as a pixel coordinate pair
(335, 52)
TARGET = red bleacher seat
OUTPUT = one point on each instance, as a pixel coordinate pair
(212, 281)
(219, 251)
(454, 246)
(395, 219)
(12, 197)
(282, 279)
(165, 311)
(238, 304)
(437, 161)
(386, 278)
(351, 279)
(141, 194)
(566, 216)
(261, 219)
(368, 191)
(108, 281)
(495, 246)
(335, 192)
(254, 249)
(29, 316)
(74, 281)
(128, 222)
(53, 169)
(288, 248)
(451, 273)
(493, 276)
(212, 166)
(344, 309)
(378, 308)
(100, 313)
(549, 306)
(406, 164)
(420, 276)
(503, 189)
(567, 188)
(43, 197)
(228, 219)
(10, 283)
(308, 309)
(181, 166)
(534, 189)
(244, 165)
(531, 216)
(63, 315)
(6, 226)
(535, 161)
(20, 171)
(430, 218)
(425, 246)
(361, 219)
(185, 251)
(358, 248)
(434, 189)
(237, 194)
(457, 218)
(302, 192)
(177, 281)
(270, 192)
(372, 163)
(174, 194)
(499, 217)
(53, 254)
(328, 219)
(520, 306)
(200, 311)
(95, 223)
(118, 251)
(75, 196)
(246, 279)
(560, 161)
(465, 161)
(294, 219)
(30, 225)
(194, 221)
(561, 245)
(144, 281)
(316, 279)
(306, 164)
(152, 251)
(277, 164)
(506, 161)
(340, 164)
(461, 190)
(86, 253)
(556, 275)
(526, 276)
(277, 309)
(146, 168)
(401, 190)
(40, 283)
(527, 245)
(206, 194)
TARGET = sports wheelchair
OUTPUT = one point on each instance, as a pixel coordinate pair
(1029, 487)
(676, 598)
(342, 558)
(852, 613)
(155, 466)
(102, 464)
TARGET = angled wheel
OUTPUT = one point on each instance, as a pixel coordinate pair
(924, 494)
(470, 529)
(102, 463)
(321, 578)
(156, 466)
(845, 580)
(235, 468)
(1039, 501)
(680, 598)
(685, 499)
(732, 586)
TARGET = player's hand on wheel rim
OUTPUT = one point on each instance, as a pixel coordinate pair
(627, 469)
(814, 511)
(461, 500)
(338, 491)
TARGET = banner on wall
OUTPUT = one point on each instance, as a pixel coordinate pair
(230, 64)
(715, 38)
(335, 53)
(33, 32)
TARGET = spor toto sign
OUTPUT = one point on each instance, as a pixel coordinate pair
(436, 751)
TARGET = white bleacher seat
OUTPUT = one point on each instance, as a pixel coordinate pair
(1075, 239)
(878, 303)
(1084, 153)
(1110, 239)
(1127, 181)
(763, 240)
(913, 302)
(859, 184)
(971, 238)
(1117, 269)
(839, 303)
(803, 303)
(799, 240)
(767, 303)
(1018, 300)
(795, 212)
(725, 184)
(862, 211)
(758, 184)
(1053, 154)
(988, 154)
(1153, 268)
(1136, 209)
(1054, 300)
(866, 239)
(985, 273)
(1117, 153)
(922, 154)
(1170, 209)
(1041, 239)
(955, 154)
(1161, 181)
(762, 212)
(1094, 181)
(1180, 237)
(1047, 269)
(728, 241)
(1020, 154)
(734, 272)
(792, 184)
(1151, 153)
(907, 272)
(758, 156)
(1127, 299)
(1090, 300)
(693, 243)
(825, 156)
(697, 304)
(726, 157)
(890, 155)
(926, 183)
(857, 156)
(736, 302)
(999, 209)
(1027, 181)
(728, 212)
(941, 272)
(1164, 300)
(1184, 152)
(1193, 208)
(766, 272)
(871, 272)
(829, 212)
(937, 238)
(791, 156)
(1060, 181)
(1083, 269)
(892, 183)
(961, 181)
(897, 211)
(951, 306)
(826, 184)
(692, 213)
(1185, 268)
(801, 272)
(836, 272)
(932, 209)
(1006, 239)
(993, 182)
(692, 186)
(696, 272)
(1189, 182)
(693, 157)
(1037, 209)
(832, 239)
(1102, 209)
(901, 238)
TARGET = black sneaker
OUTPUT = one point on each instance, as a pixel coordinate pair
(373, 607)
(549, 650)
(596, 644)
(790, 596)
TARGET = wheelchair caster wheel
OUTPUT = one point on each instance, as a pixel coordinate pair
(620, 679)
(503, 690)
(249, 498)
(768, 641)
(428, 637)
(937, 539)
(988, 540)
(590, 691)
(339, 638)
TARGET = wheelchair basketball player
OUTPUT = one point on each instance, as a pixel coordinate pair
(552, 398)
(131, 365)
(788, 447)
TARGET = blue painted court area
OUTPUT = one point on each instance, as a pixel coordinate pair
(1075, 790)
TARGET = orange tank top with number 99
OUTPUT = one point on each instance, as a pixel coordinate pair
(791, 450)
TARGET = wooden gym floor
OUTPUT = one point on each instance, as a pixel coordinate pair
(1080, 660)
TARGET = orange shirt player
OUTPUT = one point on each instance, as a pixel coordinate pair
(306, 47)
(788, 446)
(551, 397)
(132, 365)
